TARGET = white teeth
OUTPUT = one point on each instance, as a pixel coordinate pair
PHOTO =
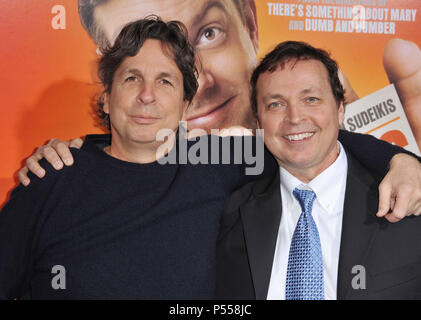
(301, 136)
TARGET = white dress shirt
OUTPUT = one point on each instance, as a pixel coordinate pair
(329, 187)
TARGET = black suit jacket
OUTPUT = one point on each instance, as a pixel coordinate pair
(390, 253)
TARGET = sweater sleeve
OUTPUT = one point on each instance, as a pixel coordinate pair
(20, 225)
(373, 153)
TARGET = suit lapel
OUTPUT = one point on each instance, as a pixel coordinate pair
(261, 217)
(359, 224)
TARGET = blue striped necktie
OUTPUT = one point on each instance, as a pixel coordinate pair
(305, 262)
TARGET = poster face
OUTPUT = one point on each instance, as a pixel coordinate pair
(48, 79)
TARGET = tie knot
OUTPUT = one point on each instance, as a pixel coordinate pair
(305, 198)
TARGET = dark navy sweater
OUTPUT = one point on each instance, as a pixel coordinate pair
(126, 231)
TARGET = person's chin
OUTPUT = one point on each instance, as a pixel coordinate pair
(299, 154)
(143, 136)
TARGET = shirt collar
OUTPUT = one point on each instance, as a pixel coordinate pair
(325, 185)
(289, 182)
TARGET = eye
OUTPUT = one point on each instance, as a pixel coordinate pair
(274, 105)
(209, 35)
(131, 78)
(312, 100)
(165, 82)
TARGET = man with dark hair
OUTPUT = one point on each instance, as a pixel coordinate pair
(310, 231)
(118, 224)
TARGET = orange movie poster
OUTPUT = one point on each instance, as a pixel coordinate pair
(48, 80)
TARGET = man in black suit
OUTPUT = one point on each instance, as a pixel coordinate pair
(310, 231)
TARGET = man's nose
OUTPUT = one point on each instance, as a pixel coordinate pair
(146, 93)
(294, 113)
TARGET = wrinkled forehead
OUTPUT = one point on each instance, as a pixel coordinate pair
(113, 15)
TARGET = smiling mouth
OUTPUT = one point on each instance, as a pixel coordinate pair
(299, 136)
(211, 111)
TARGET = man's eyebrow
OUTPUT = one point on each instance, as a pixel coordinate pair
(131, 70)
(212, 4)
(124, 72)
(271, 96)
